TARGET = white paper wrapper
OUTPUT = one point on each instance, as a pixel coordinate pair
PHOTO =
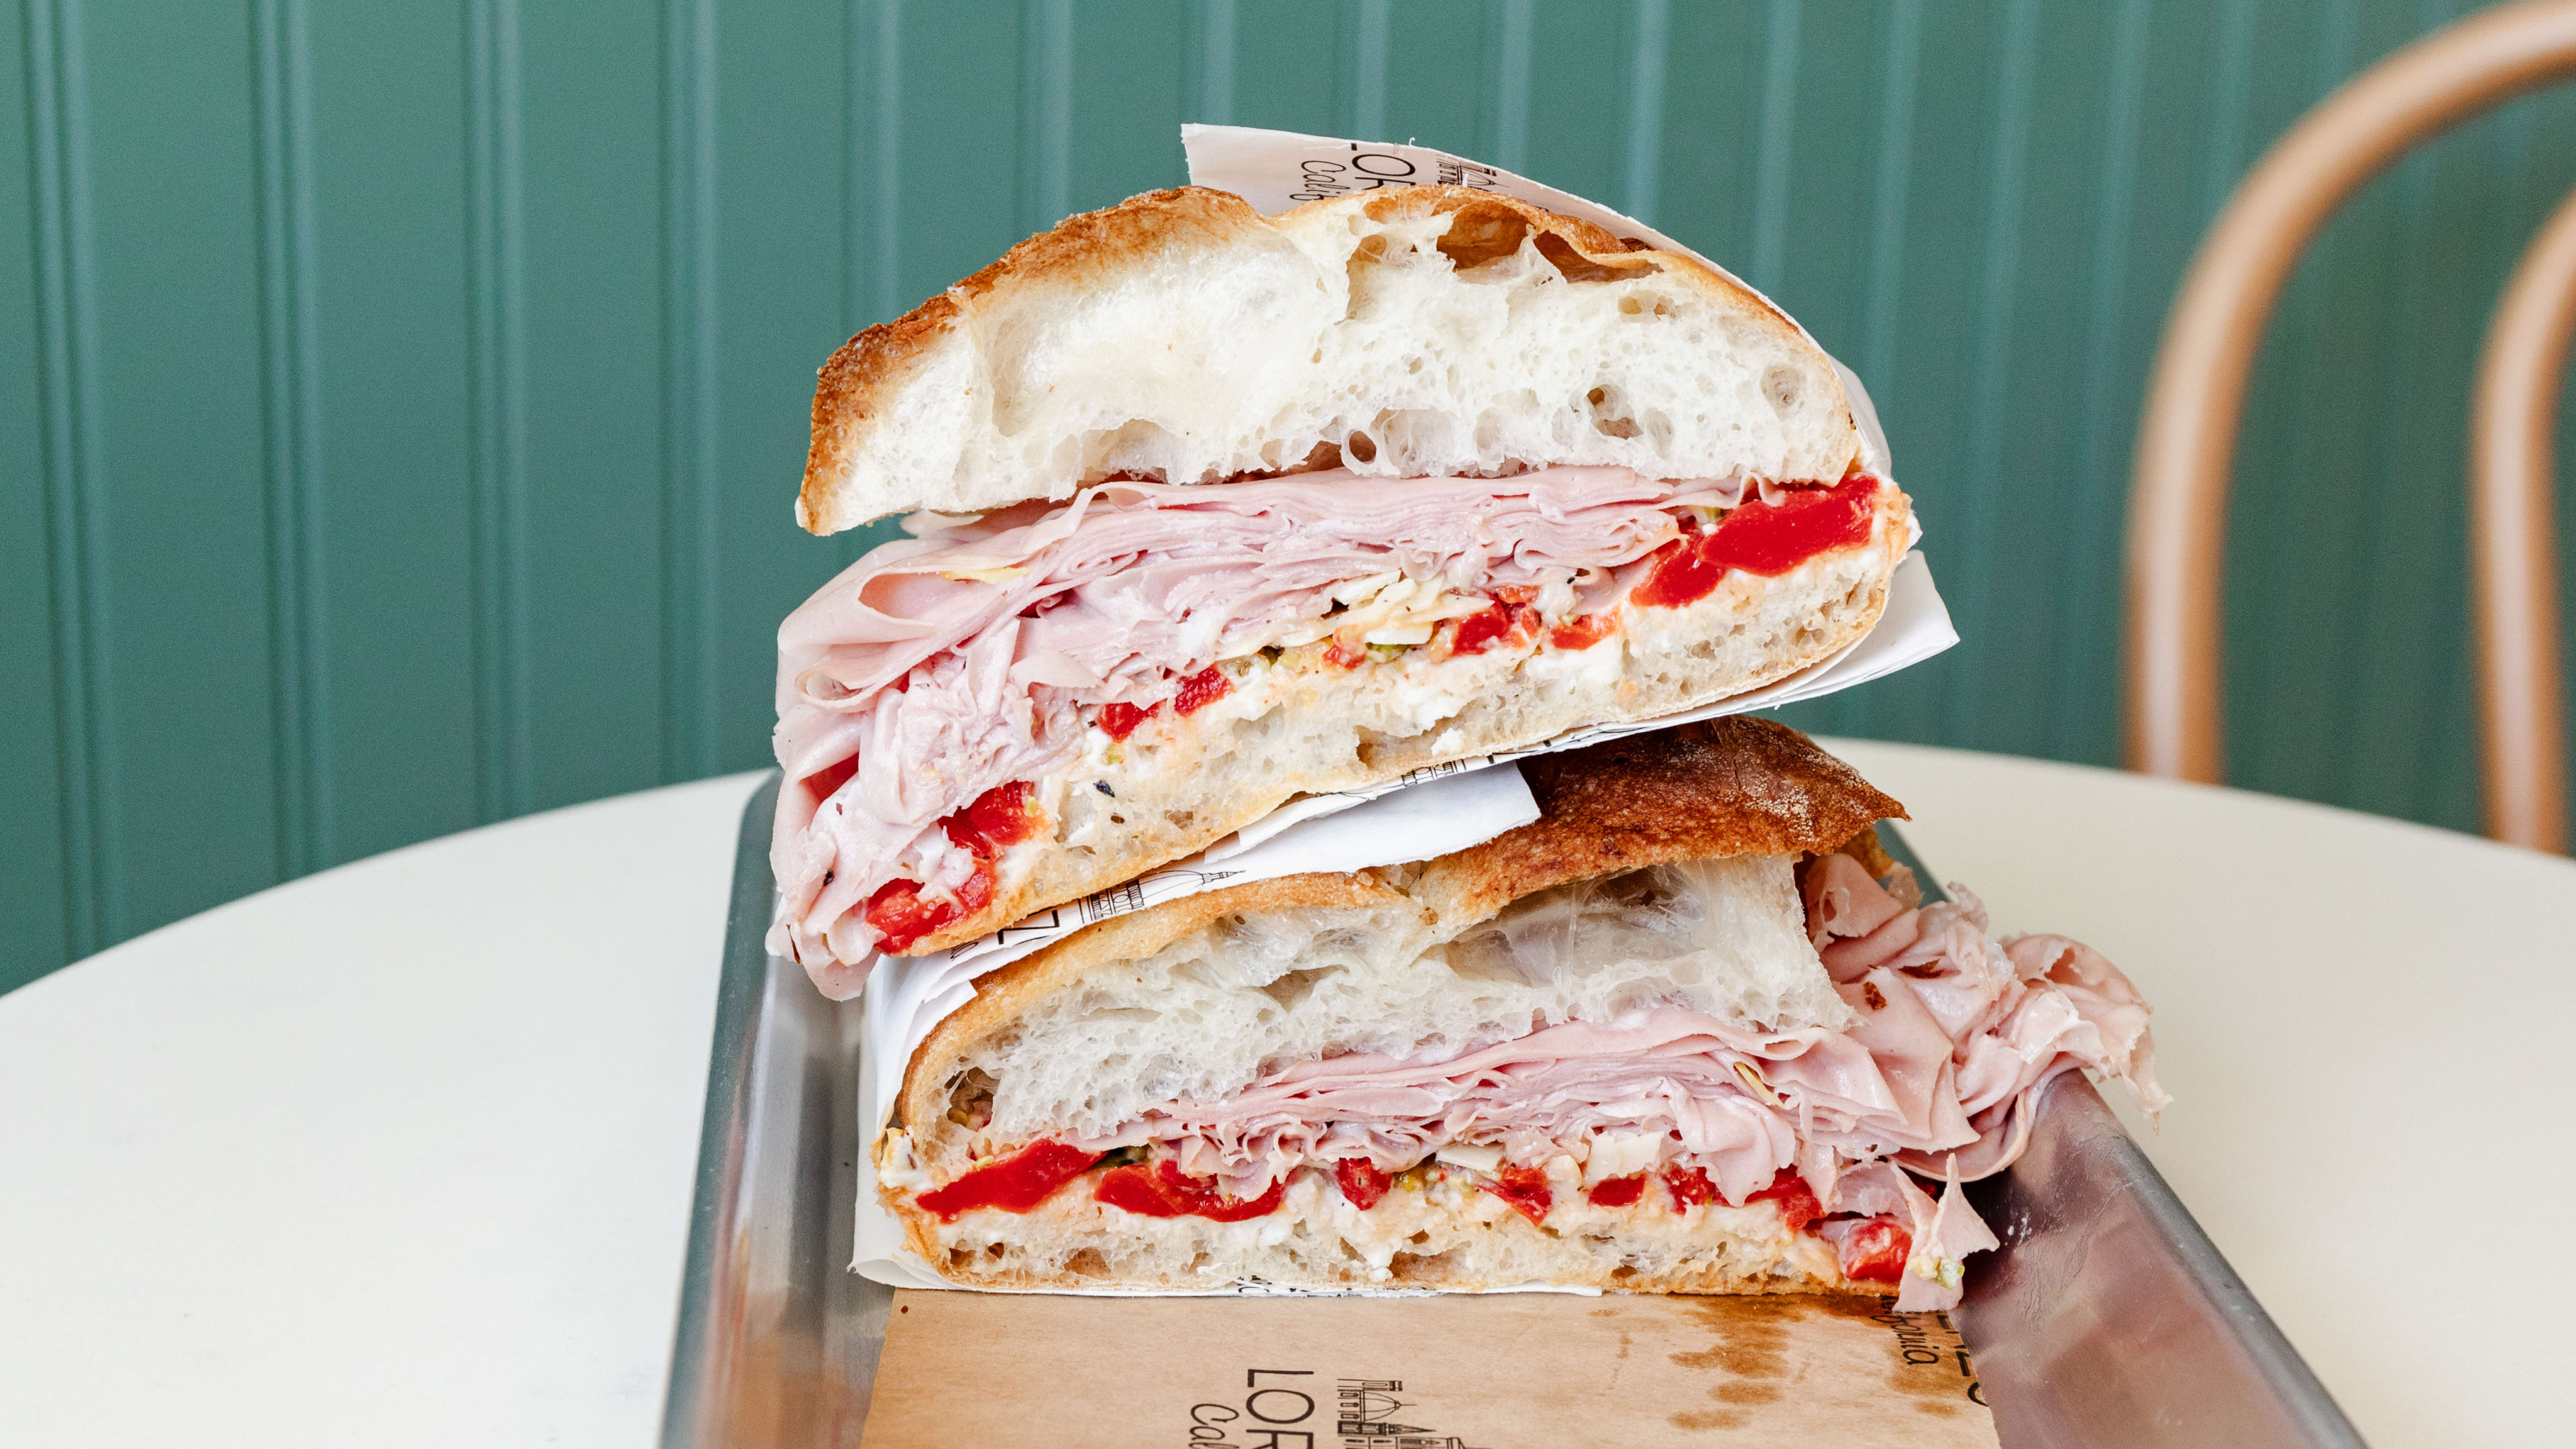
(1419, 816)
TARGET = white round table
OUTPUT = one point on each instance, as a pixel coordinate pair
(401, 1153)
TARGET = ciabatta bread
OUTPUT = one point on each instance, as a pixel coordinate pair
(1410, 332)
(1658, 877)
(1197, 997)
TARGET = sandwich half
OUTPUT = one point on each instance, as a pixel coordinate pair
(1208, 510)
(1684, 1033)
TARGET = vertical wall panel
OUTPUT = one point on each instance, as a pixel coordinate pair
(1452, 57)
(1127, 92)
(2029, 406)
(1290, 58)
(778, 314)
(407, 369)
(957, 194)
(403, 403)
(35, 925)
(162, 164)
(1712, 118)
(591, 367)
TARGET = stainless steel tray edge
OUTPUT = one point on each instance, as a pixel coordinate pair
(777, 1342)
(2107, 1320)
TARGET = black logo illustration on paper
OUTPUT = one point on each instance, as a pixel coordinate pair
(1366, 1414)
(1365, 1418)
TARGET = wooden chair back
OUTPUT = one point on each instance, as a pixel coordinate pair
(2195, 401)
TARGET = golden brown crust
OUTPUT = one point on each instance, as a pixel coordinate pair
(855, 384)
(1003, 994)
(1723, 787)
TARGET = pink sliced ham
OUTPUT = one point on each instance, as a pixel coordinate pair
(962, 658)
(1955, 1032)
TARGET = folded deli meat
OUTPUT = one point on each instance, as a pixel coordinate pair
(1690, 1031)
(1207, 510)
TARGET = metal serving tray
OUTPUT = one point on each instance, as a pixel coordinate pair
(2106, 1319)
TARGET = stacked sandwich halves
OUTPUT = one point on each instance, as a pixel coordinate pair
(1207, 511)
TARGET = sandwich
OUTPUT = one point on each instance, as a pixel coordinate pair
(1205, 510)
(1690, 1031)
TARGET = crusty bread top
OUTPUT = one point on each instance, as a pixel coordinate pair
(1726, 787)
(1735, 785)
(1411, 331)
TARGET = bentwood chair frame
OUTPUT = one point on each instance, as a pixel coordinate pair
(2195, 401)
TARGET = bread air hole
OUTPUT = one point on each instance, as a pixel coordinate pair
(1088, 1264)
(1574, 266)
(1782, 386)
(1481, 232)
(1292, 989)
(1608, 418)
(1415, 1267)
(1361, 447)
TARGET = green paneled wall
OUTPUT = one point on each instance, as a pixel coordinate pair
(400, 402)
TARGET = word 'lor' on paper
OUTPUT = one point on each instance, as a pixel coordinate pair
(1422, 1373)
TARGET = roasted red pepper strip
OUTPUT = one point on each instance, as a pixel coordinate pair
(1797, 1203)
(1162, 1192)
(1201, 690)
(1617, 1191)
(1120, 720)
(1760, 538)
(1877, 1250)
(1524, 1188)
(1583, 632)
(1689, 1185)
(999, 817)
(1015, 1184)
(1361, 1181)
(1501, 624)
(900, 916)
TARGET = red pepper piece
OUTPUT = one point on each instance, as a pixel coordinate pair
(1617, 1191)
(1760, 538)
(1773, 538)
(900, 916)
(1798, 1205)
(1682, 575)
(1162, 1192)
(1501, 624)
(1689, 1185)
(1201, 690)
(1361, 1182)
(1877, 1250)
(999, 817)
(1525, 1188)
(1584, 632)
(1341, 658)
(1015, 1184)
(1120, 720)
